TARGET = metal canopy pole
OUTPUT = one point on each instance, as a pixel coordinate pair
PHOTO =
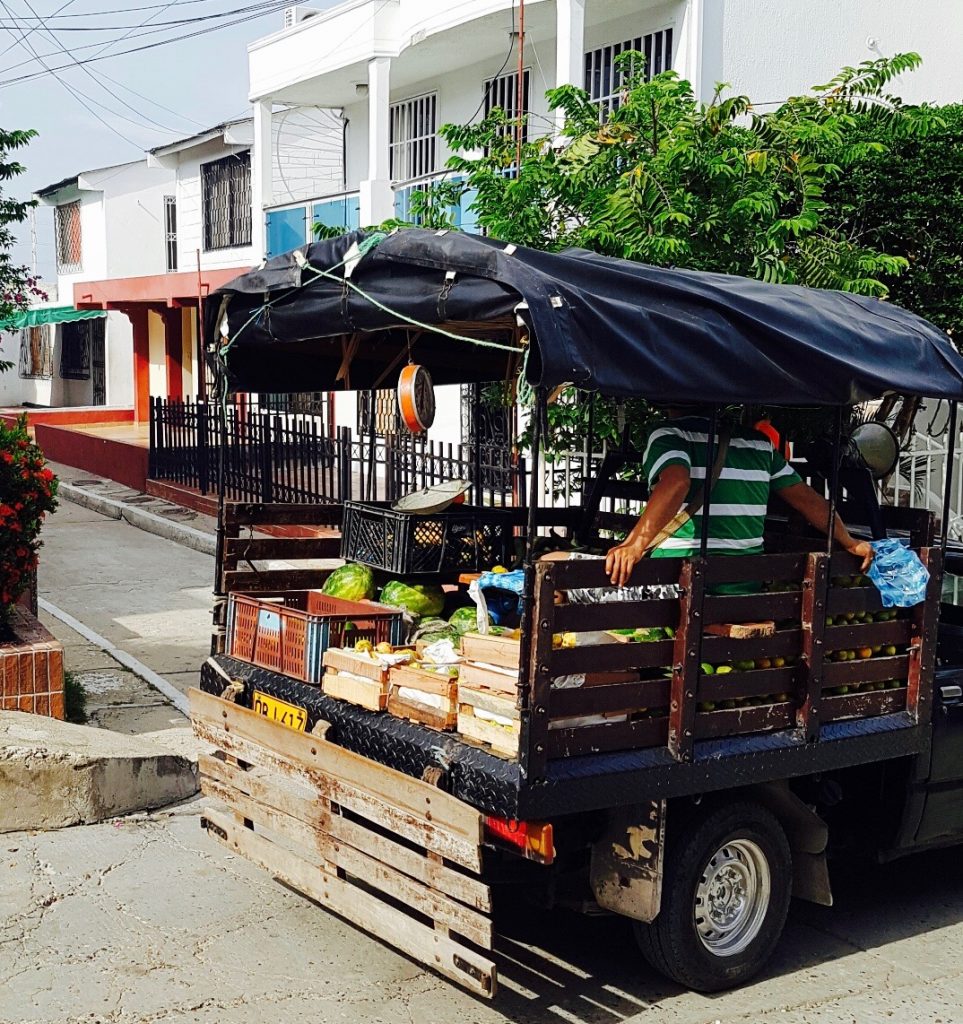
(539, 413)
(711, 442)
(834, 480)
(948, 486)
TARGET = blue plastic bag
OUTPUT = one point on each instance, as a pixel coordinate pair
(899, 575)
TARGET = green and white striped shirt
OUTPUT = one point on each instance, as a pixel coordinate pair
(737, 515)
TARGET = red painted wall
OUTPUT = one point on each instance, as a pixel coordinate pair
(125, 463)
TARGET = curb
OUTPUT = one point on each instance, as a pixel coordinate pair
(149, 522)
(178, 699)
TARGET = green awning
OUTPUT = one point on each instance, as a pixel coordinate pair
(49, 315)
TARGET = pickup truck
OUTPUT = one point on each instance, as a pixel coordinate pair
(695, 802)
(698, 817)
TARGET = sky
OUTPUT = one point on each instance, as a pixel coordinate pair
(111, 110)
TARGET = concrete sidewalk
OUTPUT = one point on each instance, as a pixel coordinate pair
(153, 515)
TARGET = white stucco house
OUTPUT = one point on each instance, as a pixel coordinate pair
(107, 221)
(399, 69)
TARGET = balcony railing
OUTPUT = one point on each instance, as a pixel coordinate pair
(462, 216)
(291, 225)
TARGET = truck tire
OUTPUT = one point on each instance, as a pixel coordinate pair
(726, 888)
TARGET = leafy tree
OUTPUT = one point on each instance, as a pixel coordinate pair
(17, 286)
(667, 180)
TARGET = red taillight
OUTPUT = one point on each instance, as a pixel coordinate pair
(533, 838)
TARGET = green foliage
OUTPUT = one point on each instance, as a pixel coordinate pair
(27, 493)
(17, 286)
(906, 197)
(670, 181)
(75, 700)
(667, 180)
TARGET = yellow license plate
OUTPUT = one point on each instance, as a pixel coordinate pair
(279, 711)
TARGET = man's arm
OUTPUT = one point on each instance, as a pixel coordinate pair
(666, 499)
(814, 508)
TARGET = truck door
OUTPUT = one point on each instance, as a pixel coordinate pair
(943, 811)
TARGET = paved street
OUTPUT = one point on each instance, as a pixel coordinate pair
(147, 920)
(148, 596)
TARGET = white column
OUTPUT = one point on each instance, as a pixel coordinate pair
(377, 199)
(689, 62)
(569, 46)
(262, 174)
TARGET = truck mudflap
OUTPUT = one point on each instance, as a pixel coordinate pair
(394, 855)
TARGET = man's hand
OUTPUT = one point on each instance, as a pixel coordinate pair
(864, 550)
(621, 560)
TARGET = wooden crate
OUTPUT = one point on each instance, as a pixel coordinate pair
(407, 682)
(397, 857)
(491, 650)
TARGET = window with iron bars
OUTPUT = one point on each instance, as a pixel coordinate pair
(605, 80)
(226, 200)
(170, 232)
(503, 92)
(76, 341)
(36, 352)
(67, 225)
(413, 138)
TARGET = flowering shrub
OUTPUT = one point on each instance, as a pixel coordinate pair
(27, 494)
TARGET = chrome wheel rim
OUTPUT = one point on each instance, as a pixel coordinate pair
(732, 897)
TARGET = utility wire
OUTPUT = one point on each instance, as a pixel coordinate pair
(110, 92)
(37, 21)
(271, 9)
(63, 7)
(24, 40)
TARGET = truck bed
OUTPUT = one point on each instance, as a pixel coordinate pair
(496, 785)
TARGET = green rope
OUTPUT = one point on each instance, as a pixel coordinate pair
(364, 247)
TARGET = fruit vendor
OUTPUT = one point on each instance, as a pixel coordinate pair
(675, 467)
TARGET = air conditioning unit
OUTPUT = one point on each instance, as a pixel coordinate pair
(295, 15)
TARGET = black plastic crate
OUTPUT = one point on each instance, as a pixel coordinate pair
(463, 538)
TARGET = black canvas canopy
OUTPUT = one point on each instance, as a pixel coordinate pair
(620, 328)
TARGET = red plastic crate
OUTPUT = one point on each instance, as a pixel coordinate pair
(290, 632)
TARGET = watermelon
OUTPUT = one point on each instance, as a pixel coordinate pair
(465, 620)
(351, 582)
(419, 599)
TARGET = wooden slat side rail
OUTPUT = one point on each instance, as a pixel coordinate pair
(757, 683)
(220, 722)
(534, 734)
(583, 618)
(242, 514)
(853, 599)
(754, 568)
(870, 670)
(288, 548)
(752, 607)
(864, 705)
(593, 700)
(611, 657)
(868, 634)
(924, 623)
(814, 645)
(590, 572)
(743, 720)
(431, 946)
(595, 739)
(305, 806)
(718, 650)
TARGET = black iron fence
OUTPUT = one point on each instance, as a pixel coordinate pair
(275, 451)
